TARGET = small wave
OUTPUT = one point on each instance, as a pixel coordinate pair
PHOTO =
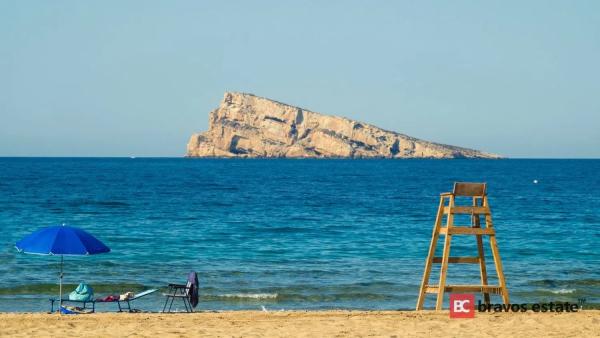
(37, 289)
(114, 204)
(562, 291)
(277, 229)
(566, 283)
(99, 203)
(303, 218)
(209, 204)
(249, 295)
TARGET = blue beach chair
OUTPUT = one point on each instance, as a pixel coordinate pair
(122, 304)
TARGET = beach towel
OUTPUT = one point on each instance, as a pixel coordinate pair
(83, 292)
(74, 310)
(126, 296)
(193, 292)
(110, 298)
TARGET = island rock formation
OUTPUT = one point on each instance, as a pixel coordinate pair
(245, 125)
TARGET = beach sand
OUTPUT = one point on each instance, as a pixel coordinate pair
(301, 324)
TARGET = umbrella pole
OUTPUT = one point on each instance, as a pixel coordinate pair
(60, 282)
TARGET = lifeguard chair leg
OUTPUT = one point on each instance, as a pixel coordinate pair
(496, 255)
(432, 246)
(445, 255)
(443, 271)
(499, 271)
(481, 254)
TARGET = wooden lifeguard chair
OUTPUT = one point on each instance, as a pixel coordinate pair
(479, 206)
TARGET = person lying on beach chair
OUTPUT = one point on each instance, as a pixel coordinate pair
(188, 293)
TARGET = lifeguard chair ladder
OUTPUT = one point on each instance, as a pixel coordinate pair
(479, 206)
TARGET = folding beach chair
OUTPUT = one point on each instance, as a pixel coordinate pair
(188, 293)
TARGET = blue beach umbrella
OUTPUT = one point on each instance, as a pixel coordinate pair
(61, 240)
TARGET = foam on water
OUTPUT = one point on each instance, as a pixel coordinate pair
(249, 295)
(563, 291)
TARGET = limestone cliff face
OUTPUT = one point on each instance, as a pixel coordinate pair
(245, 125)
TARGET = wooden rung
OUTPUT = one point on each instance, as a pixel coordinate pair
(466, 288)
(467, 210)
(463, 230)
(468, 260)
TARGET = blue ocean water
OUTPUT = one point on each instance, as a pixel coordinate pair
(294, 234)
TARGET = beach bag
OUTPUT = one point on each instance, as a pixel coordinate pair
(83, 293)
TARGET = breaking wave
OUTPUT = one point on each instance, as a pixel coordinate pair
(248, 296)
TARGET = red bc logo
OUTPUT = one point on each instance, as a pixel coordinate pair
(462, 306)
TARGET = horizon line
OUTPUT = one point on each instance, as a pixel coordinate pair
(286, 158)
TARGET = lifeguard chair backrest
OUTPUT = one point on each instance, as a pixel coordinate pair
(468, 189)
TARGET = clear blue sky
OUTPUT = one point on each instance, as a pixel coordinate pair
(121, 78)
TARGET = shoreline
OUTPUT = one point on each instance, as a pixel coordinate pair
(585, 323)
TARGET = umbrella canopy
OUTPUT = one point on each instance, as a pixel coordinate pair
(61, 240)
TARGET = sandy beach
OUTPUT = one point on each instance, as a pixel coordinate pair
(301, 324)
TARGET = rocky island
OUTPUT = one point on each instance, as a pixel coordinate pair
(246, 125)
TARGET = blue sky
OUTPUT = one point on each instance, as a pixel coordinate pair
(123, 78)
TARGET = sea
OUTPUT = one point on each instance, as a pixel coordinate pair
(286, 234)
